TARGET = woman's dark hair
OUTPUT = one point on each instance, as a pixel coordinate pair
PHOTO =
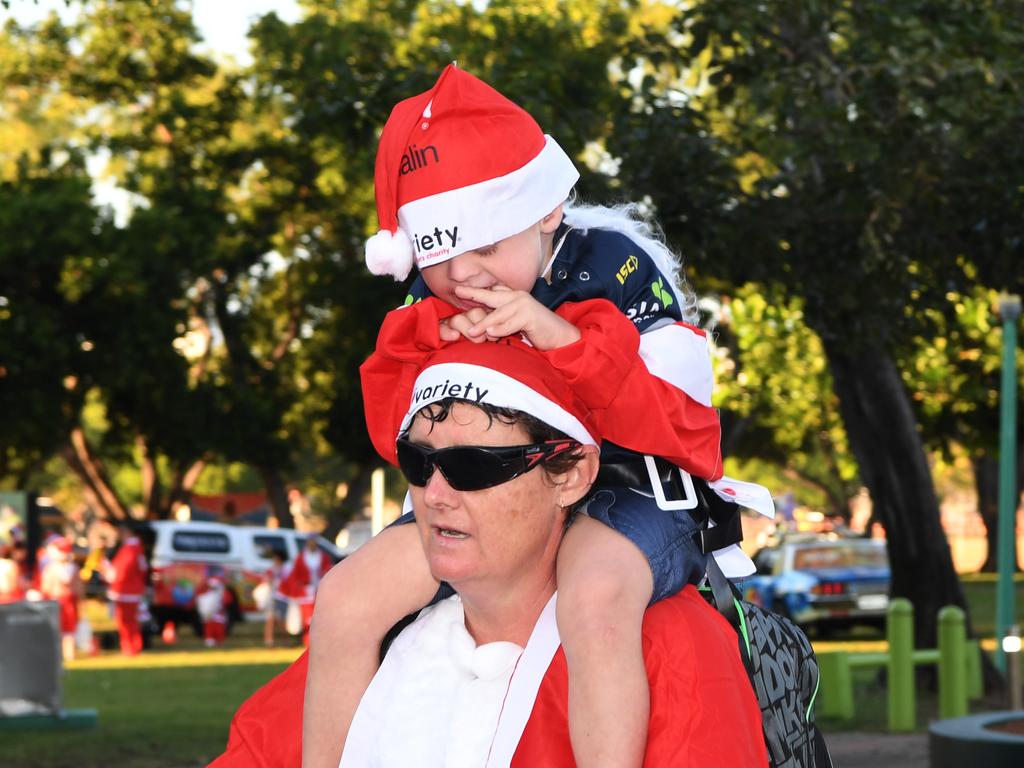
(537, 430)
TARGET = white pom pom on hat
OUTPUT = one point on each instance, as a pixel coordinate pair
(460, 167)
(389, 253)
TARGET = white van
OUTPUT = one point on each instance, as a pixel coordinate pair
(185, 555)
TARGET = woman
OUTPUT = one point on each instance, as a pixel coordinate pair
(498, 447)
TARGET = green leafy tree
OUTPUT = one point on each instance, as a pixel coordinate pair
(853, 117)
(778, 396)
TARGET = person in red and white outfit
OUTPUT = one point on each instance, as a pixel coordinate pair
(303, 579)
(126, 579)
(212, 603)
(61, 582)
(499, 446)
(13, 581)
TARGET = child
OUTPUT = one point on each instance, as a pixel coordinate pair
(212, 604)
(468, 185)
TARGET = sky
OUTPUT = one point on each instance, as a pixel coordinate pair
(222, 23)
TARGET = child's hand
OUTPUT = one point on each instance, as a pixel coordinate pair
(456, 326)
(518, 312)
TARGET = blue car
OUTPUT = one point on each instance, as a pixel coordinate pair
(823, 583)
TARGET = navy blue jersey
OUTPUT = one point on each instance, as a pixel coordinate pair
(601, 264)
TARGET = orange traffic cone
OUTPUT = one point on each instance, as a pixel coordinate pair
(170, 633)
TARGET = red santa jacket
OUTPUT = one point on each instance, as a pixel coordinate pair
(127, 573)
(297, 583)
(703, 709)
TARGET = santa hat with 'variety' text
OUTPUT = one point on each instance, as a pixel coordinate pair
(460, 167)
(412, 368)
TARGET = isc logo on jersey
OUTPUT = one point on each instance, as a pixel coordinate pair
(627, 269)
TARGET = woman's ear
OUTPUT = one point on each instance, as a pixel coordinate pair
(550, 222)
(575, 483)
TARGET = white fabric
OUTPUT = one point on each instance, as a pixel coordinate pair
(679, 354)
(522, 692)
(486, 385)
(481, 214)
(436, 700)
(314, 560)
(734, 562)
(749, 495)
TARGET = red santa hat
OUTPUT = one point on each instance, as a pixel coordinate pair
(412, 368)
(460, 167)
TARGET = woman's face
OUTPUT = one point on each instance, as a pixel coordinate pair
(491, 537)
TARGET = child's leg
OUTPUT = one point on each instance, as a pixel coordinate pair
(604, 586)
(357, 602)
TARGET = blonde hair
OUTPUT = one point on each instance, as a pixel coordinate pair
(629, 219)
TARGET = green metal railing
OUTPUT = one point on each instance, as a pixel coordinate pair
(959, 668)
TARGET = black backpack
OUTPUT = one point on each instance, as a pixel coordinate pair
(783, 672)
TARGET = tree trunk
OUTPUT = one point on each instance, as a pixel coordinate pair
(278, 496)
(89, 468)
(152, 495)
(340, 514)
(883, 435)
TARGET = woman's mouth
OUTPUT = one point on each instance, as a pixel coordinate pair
(450, 533)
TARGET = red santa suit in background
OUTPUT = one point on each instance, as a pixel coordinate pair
(60, 582)
(126, 576)
(213, 602)
(12, 573)
(301, 582)
(494, 706)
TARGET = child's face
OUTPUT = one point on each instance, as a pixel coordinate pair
(515, 262)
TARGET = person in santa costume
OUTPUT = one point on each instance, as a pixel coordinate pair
(212, 603)
(61, 582)
(499, 444)
(126, 580)
(472, 192)
(303, 580)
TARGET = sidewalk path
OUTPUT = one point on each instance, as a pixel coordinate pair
(851, 749)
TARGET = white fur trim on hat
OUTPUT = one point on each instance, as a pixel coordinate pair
(485, 385)
(390, 253)
(446, 224)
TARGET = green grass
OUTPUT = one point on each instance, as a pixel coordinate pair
(167, 708)
(148, 718)
(171, 707)
(980, 594)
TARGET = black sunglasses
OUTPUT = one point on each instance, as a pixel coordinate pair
(475, 467)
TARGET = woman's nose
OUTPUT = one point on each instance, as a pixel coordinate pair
(437, 491)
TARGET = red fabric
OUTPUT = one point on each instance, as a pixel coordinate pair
(266, 732)
(468, 120)
(296, 584)
(604, 382)
(215, 630)
(128, 571)
(634, 408)
(12, 586)
(703, 709)
(68, 605)
(704, 712)
(126, 615)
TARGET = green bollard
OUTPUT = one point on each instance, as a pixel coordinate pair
(975, 683)
(952, 663)
(900, 629)
(836, 685)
